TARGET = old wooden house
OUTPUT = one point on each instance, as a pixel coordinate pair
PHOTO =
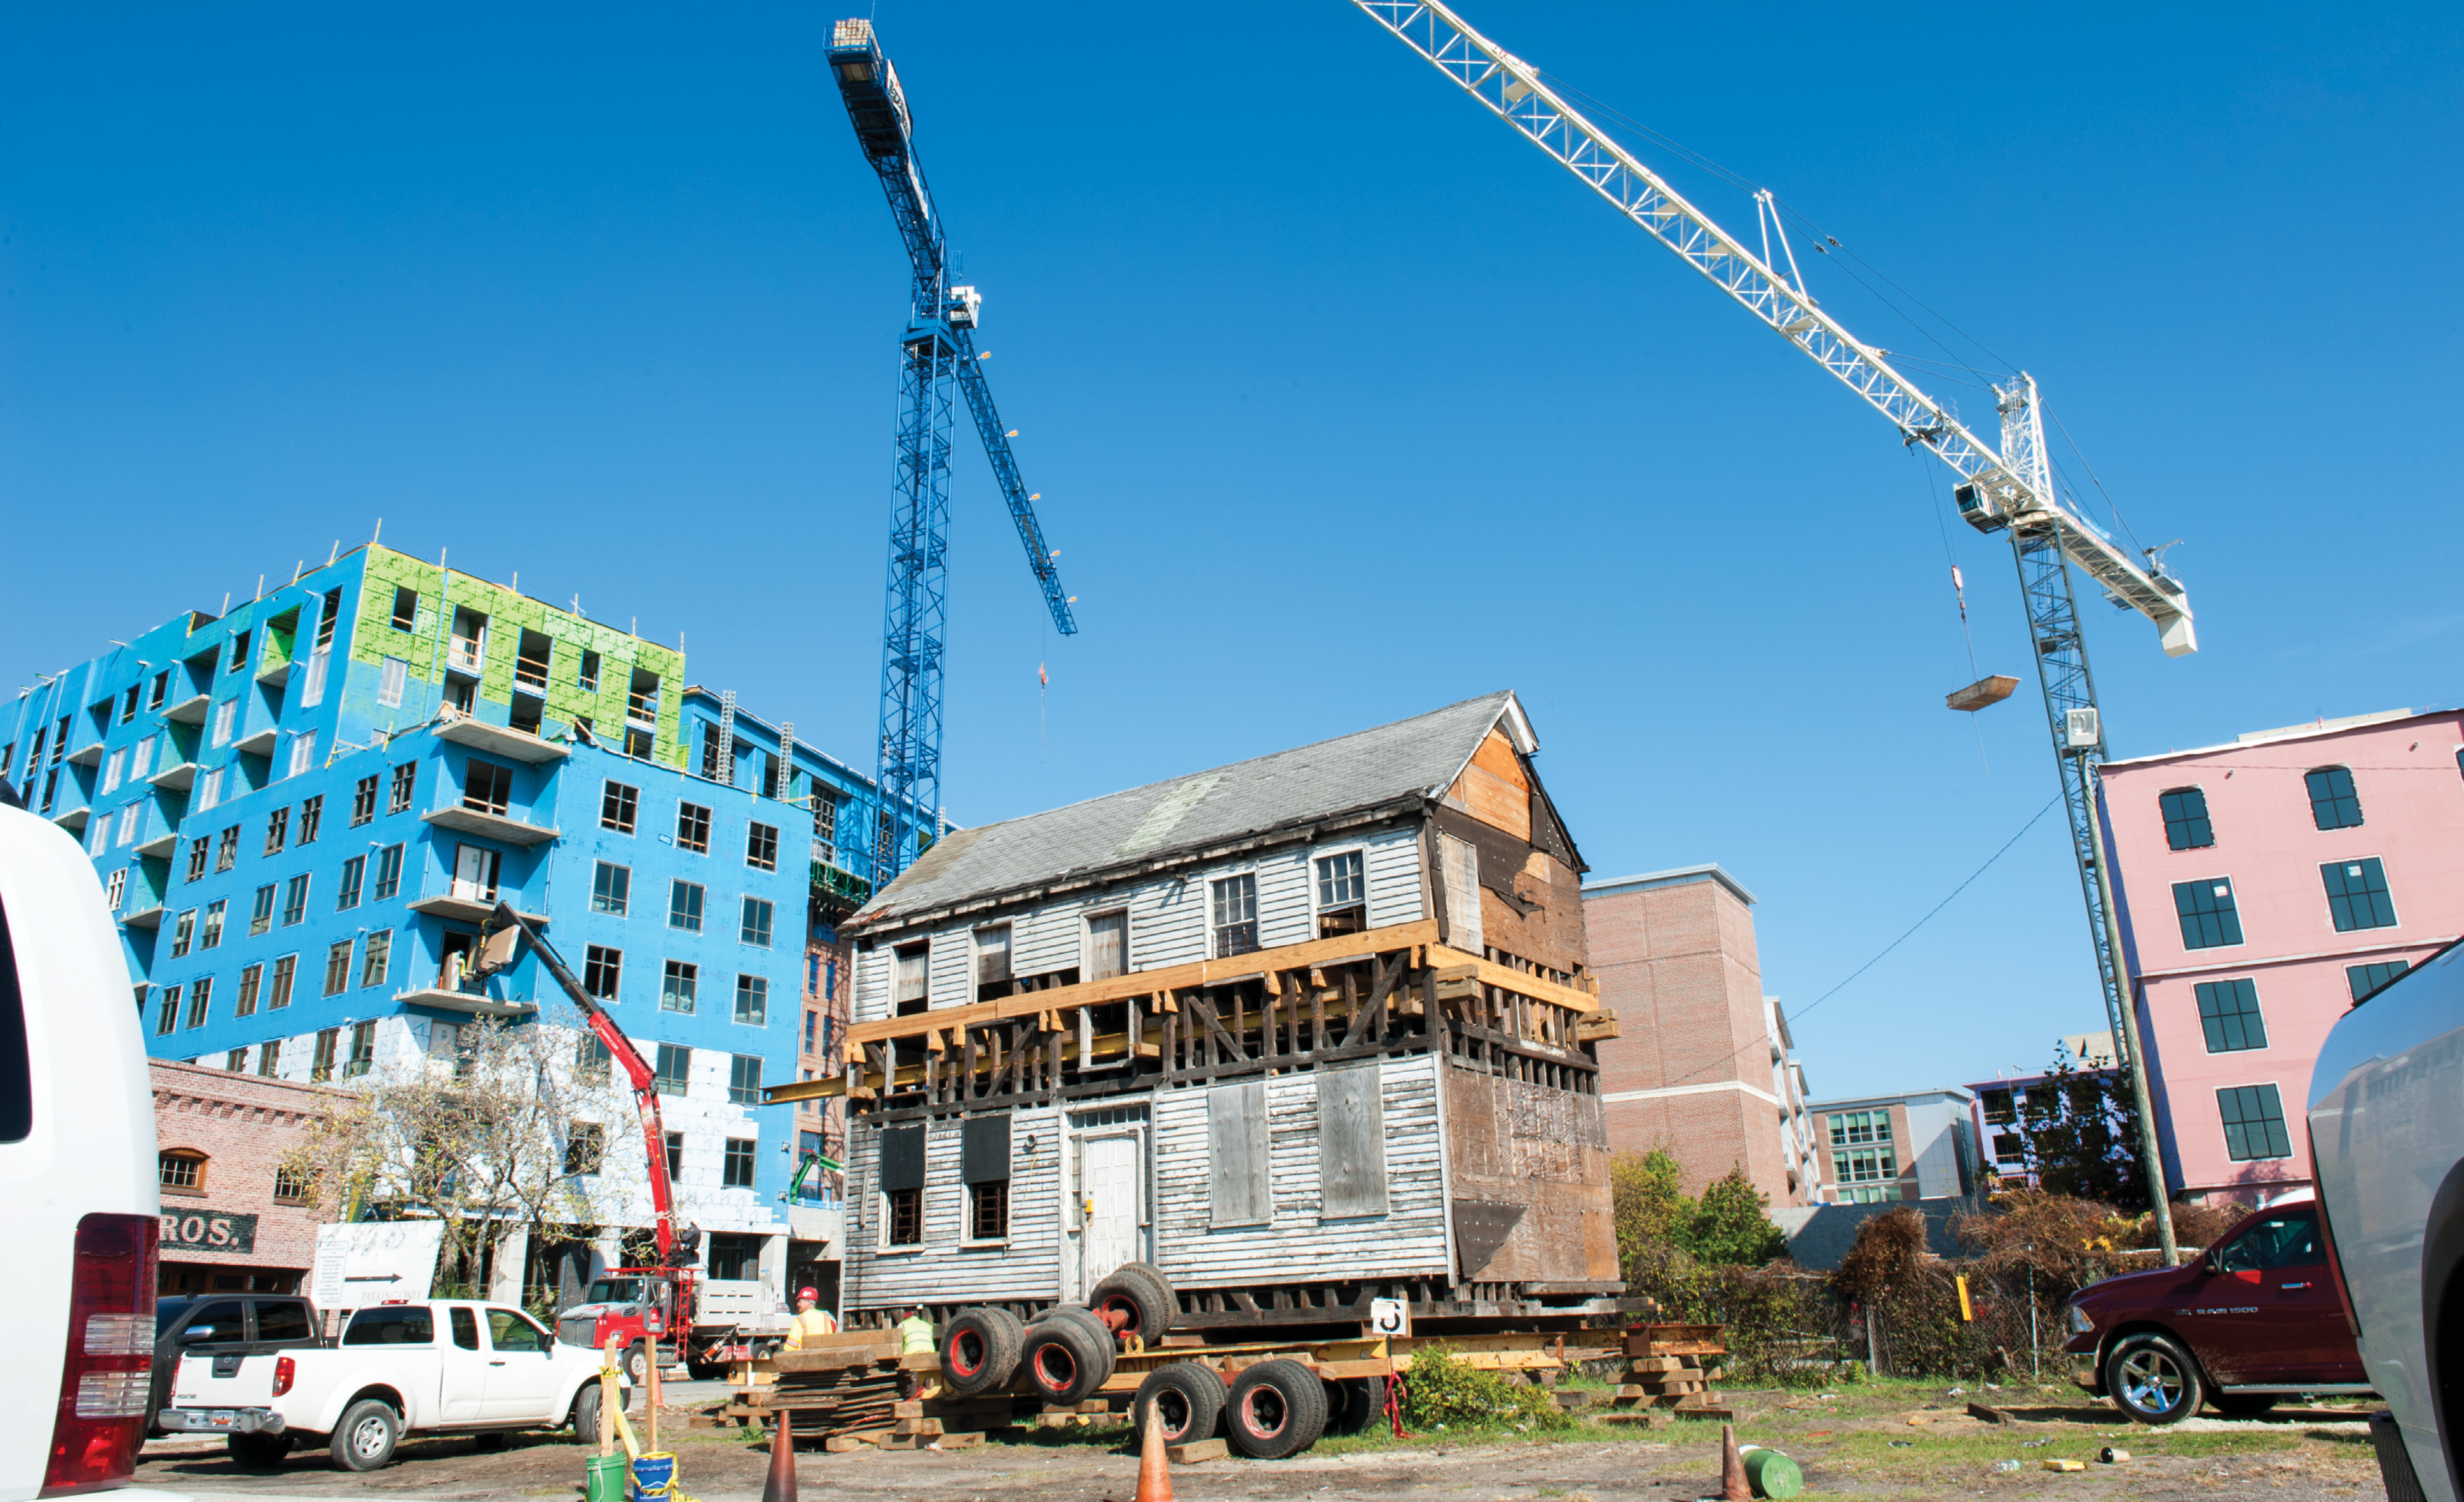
(1300, 1031)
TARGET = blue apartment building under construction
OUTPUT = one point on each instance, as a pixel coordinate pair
(302, 808)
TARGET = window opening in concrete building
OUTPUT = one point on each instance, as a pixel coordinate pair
(311, 817)
(639, 742)
(744, 1080)
(235, 1060)
(160, 690)
(128, 705)
(294, 900)
(616, 806)
(364, 800)
(211, 933)
(684, 905)
(406, 608)
(239, 652)
(678, 986)
(201, 991)
(312, 687)
(303, 752)
(693, 827)
(467, 649)
(225, 714)
(167, 1018)
(2228, 1015)
(475, 872)
(141, 760)
(338, 966)
(285, 967)
(277, 829)
(182, 1171)
(2366, 979)
(2333, 802)
(197, 858)
(753, 1000)
(612, 889)
(675, 1146)
(251, 980)
(112, 770)
(602, 970)
(992, 962)
(1342, 895)
(756, 926)
(825, 826)
(116, 888)
(2186, 819)
(462, 694)
(183, 932)
(1850, 1128)
(1865, 1174)
(2208, 915)
(260, 918)
(388, 873)
(269, 1065)
(2253, 1121)
(642, 699)
(709, 750)
(1108, 945)
(592, 1062)
(327, 616)
(736, 1172)
(226, 850)
(587, 680)
(393, 675)
(363, 1049)
(1236, 915)
(586, 1149)
(321, 1068)
(2357, 894)
(487, 787)
(210, 789)
(674, 1074)
(908, 983)
(406, 780)
(526, 715)
(762, 846)
(533, 653)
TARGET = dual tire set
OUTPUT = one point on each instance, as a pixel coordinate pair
(1269, 1410)
(1066, 1353)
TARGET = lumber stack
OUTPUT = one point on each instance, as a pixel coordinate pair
(1669, 1371)
(843, 1390)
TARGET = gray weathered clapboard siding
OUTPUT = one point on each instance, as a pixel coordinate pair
(945, 1272)
(1048, 938)
(1393, 870)
(1283, 915)
(950, 974)
(1408, 1240)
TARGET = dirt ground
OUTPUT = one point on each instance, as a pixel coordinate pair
(1873, 1439)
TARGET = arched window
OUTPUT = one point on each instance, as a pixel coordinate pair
(183, 1171)
(2186, 819)
(2333, 804)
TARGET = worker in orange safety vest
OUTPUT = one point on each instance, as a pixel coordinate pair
(812, 1319)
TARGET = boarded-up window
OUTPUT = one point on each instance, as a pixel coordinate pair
(983, 1149)
(992, 954)
(1351, 1143)
(908, 980)
(1108, 945)
(1458, 862)
(1236, 1140)
(902, 1157)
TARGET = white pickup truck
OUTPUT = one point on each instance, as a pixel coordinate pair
(439, 1366)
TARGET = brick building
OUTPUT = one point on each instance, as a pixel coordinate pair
(1705, 1068)
(230, 1221)
(1921, 1145)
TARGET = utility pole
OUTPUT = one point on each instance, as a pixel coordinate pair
(2152, 1160)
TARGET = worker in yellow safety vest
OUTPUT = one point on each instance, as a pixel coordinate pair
(915, 1333)
(812, 1319)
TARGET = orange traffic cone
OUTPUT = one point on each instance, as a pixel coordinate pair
(780, 1486)
(1155, 1472)
(1732, 1468)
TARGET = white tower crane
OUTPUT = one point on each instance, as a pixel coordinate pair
(2010, 490)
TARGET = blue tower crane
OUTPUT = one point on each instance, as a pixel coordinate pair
(937, 351)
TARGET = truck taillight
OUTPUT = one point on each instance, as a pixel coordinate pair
(284, 1370)
(108, 1378)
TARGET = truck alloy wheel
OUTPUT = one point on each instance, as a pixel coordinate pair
(1186, 1397)
(2152, 1379)
(979, 1350)
(1276, 1408)
(364, 1439)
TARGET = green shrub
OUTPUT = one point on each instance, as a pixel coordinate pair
(1442, 1391)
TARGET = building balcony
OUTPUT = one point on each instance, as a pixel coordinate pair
(74, 820)
(177, 779)
(277, 674)
(465, 1002)
(465, 656)
(499, 740)
(534, 684)
(144, 917)
(189, 710)
(259, 742)
(492, 826)
(161, 846)
(467, 909)
(88, 755)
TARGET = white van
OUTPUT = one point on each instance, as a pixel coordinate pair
(77, 1172)
(2386, 1132)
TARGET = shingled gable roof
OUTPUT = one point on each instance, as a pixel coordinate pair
(1145, 827)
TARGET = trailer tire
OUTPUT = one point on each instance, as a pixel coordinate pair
(1352, 1404)
(365, 1438)
(979, 1350)
(257, 1452)
(1188, 1397)
(1140, 1291)
(1066, 1360)
(1276, 1408)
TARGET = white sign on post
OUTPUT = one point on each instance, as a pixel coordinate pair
(1390, 1317)
(373, 1262)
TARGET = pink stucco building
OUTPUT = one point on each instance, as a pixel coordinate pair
(2264, 886)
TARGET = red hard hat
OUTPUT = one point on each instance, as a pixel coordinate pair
(805, 1292)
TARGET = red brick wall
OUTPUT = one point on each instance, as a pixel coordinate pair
(244, 1124)
(1678, 966)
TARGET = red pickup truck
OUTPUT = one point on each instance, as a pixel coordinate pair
(2255, 1320)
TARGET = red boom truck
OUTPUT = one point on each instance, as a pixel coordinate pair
(672, 1310)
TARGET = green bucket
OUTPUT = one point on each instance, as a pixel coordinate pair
(1771, 1474)
(604, 1479)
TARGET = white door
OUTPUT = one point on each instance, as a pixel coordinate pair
(474, 872)
(1108, 1172)
(465, 1358)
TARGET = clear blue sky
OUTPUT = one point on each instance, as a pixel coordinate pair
(1344, 402)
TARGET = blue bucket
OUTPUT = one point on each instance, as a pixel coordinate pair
(654, 1478)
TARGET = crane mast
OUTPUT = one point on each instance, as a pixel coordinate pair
(937, 352)
(2010, 489)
